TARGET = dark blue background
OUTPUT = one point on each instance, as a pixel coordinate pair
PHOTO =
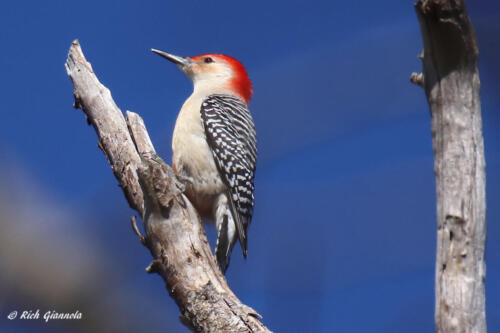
(343, 237)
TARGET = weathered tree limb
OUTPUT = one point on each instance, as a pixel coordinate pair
(451, 83)
(109, 124)
(174, 233)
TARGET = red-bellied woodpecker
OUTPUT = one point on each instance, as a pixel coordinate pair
(214, 146)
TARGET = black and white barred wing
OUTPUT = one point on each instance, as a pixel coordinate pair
(231, 136)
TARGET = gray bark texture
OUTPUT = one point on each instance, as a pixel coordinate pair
(174, 233)
(451, 82)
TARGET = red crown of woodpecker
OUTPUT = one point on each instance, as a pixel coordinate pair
(240, 83)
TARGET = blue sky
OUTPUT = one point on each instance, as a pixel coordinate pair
(344, 223)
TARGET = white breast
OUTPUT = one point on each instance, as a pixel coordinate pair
(192, 157)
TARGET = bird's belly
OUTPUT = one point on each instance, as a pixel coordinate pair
(203, 195)
(193, 161)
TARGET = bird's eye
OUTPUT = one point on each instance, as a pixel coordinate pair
(208, 60)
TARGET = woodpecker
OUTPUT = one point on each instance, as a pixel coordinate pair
(214, 146)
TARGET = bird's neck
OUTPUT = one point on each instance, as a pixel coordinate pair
(205, 88)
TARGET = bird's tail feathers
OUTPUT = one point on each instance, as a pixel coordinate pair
(239, 224)
(225, 242)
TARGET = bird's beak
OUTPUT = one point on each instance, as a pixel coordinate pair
(179, 61)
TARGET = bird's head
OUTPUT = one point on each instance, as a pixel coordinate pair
(214, 71)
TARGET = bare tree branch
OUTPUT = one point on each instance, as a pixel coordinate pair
(451, 83)
(174, 233)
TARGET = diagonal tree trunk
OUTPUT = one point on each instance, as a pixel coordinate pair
(451, 82)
